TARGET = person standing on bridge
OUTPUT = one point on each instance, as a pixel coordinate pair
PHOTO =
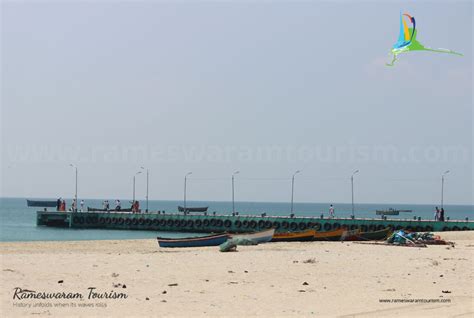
(436, 214)
(331, 211)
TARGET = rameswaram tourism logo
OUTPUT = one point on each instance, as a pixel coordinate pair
(92, 293)
(90, 298)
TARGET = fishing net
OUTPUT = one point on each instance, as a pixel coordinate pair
(231, 245)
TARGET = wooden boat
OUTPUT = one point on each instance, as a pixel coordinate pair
(376, 235)
(334, 235)
(192, 209)
(210, 240)
(387, 212)
(258, 237)
(390, 212)
(89, 209)
(351, 235)
(294, 236)
(370, 236)
(41, 203)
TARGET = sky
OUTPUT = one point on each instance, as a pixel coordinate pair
(213, 87)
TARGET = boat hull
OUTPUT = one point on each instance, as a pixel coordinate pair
(89, 209)
(258, 237)
(335, 235)
(369, 236)
(210, 240)
(294, 236)
(41, 204)
(196, 209)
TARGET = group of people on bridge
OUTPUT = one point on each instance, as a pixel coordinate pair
(439, 214)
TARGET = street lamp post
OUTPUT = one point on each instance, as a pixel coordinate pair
(134, 184)
(293, 189)
(75, 194)
(147, 185)
(233, 202)
(442, 187)
(352, 190)
(185, 180)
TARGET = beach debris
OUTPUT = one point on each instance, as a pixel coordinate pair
(60, 281)
(402, 238)
(117, 285)
(206, 280)
(231, 245)
(228, 247)
(246, 271)
(115, 275)
(301, 290)
(164, 292)
(233, 282)
(295, 262)
(230, 272)
(8, 270)
(309, 261)
(389, 289)
(435, 263)
(147, 298)
(163, 301)
(172, 285)
(441, 275)
(426, 238)
(446, 291)
(305, 284)
(124, 286)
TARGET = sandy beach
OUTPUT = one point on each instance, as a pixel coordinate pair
(274, 279)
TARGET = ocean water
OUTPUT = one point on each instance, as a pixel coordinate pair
(18, 222)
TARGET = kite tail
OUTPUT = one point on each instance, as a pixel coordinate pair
(443, 51)
(393, 61)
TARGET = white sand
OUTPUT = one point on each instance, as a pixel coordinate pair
(343, 279)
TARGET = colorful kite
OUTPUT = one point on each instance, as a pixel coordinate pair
(407, 40)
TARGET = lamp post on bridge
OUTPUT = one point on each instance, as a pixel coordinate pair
(442, 187)
(352, 190)
(293, 189)
(136, 174)
(233, 202)
(147, 185)
(75, 194)
(185, 181)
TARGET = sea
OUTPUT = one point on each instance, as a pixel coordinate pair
(18, 222)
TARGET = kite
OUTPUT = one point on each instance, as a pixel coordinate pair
(407, 40)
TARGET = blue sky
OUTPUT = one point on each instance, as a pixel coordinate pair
(266, 88)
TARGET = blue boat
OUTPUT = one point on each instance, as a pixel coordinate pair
(210, 240)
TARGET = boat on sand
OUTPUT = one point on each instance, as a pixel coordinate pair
(258, 237)
(294, 236)
(334, 235)
(209, 240)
